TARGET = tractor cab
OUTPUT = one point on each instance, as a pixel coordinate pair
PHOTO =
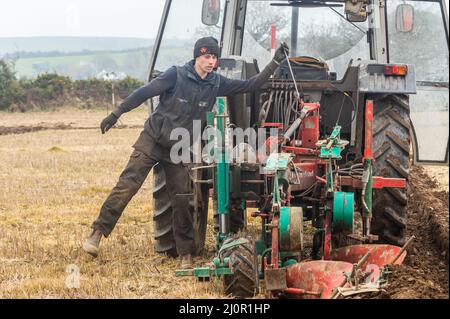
(326, 38)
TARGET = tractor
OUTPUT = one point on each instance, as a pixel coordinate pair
(328, 140)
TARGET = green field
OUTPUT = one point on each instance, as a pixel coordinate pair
(24, 67)
(133, 63)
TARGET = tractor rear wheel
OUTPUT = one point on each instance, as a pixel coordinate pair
(243, 283)
(391, 146)
(162, 214)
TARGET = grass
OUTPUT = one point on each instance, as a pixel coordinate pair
(77, 118)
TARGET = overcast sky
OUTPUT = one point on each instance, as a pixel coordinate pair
(118, 18)
(129, 18)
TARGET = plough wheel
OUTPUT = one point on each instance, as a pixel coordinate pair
(243, 282)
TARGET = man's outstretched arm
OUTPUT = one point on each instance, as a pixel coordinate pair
(163, 83)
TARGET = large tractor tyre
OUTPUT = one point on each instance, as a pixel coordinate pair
(162, 215)
(243, 283)
(391, 147)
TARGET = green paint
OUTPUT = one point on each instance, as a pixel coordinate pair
(260, 245)
(223, 193)
(285, 220)
(343, 210)
(335, 133)
(334, 152)
(289, 262)
(277, 161)
(210, 119)
(219, 240)
(204, 272)
(337, 145)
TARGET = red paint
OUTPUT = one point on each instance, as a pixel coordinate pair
(299, 150)
(368, 151)
(275, 241)
(327, 230)
(380, 255)
(377, 182)
(380, 182)
(322, 180)
(272, 143)
(307, 166)
(319, 276)
(273, 37)
(273, 124)
(311, 107)
(309, 133)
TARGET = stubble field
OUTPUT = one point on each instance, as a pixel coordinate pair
(53, 181)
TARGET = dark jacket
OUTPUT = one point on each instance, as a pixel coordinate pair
(184, 97)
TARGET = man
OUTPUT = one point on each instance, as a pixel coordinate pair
(186, 94)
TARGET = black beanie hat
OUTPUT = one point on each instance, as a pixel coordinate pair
(207, 45)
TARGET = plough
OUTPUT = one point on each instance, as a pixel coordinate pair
(301, 179)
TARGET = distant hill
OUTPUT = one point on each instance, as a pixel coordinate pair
(86, 64)
(85, 57)
(70, 44)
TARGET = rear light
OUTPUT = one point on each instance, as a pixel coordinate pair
(400, 69)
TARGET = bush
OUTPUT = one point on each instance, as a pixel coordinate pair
(8, 85)
(92, 88)
(51, 86)
(52, 90)
(127, 85)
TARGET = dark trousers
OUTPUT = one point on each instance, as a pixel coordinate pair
(147, 153)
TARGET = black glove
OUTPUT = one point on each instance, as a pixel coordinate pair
(280, 52)
(108, 122)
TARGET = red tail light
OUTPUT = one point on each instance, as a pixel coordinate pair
(400, 69)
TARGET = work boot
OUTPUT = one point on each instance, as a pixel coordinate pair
(92, 242)
(186, 261)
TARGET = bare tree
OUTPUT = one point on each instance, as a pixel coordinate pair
(260, 18)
